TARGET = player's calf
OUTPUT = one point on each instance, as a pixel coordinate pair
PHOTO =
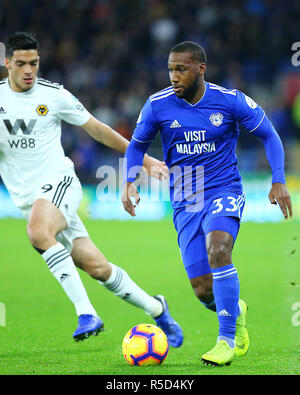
(98, 272)
(202, 287)
(89, 258)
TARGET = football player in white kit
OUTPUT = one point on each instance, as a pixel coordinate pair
(42, 182)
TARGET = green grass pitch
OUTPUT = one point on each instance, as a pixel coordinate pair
(40, 320)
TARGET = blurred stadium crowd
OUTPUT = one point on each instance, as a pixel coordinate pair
(112, 54)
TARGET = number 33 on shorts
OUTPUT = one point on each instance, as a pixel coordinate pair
(231, 204)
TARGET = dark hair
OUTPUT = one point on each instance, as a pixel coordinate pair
(21, 40)
(195, 49)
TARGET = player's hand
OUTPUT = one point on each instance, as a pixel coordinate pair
(280, 195)
(129, 190)
(156, 168)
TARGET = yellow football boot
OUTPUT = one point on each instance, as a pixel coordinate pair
(241, 335)
(220, 355)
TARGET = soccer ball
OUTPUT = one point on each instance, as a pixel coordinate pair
(145, 345)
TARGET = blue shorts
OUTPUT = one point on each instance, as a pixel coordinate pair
(221, 212)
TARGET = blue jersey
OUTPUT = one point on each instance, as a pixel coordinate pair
(199, 140)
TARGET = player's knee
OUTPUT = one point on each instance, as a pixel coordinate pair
(38, 236)
(219, 254)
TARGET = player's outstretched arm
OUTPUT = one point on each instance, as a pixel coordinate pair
(109, 137)
(275, 154)
(105, 134)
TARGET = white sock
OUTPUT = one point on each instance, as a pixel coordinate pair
(121, 285)
(61, 265)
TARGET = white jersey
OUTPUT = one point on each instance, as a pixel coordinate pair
(30, 136)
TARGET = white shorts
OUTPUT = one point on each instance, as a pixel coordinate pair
(65, 192)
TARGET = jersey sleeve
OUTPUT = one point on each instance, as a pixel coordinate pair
(274, 149)
(247, 112)
(146, 125)
(71, 110)
(144, 133)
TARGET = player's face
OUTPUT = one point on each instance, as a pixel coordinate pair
(22, 68)
(186, 74)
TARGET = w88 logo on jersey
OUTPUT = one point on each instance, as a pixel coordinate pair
(23, 143)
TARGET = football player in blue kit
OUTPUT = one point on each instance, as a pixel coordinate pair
(198, 124)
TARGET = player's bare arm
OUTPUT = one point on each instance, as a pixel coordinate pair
(109, 137)
(279, 194)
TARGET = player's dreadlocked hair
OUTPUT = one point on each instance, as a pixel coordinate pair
(195, 49)
(21, 40)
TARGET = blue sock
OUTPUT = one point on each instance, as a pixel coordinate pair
(212, 306)
(226, 292)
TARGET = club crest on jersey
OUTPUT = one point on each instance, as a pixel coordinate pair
(216, 118)
(42, 110)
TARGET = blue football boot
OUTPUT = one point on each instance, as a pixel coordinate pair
(168, 324)
(87, 325)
